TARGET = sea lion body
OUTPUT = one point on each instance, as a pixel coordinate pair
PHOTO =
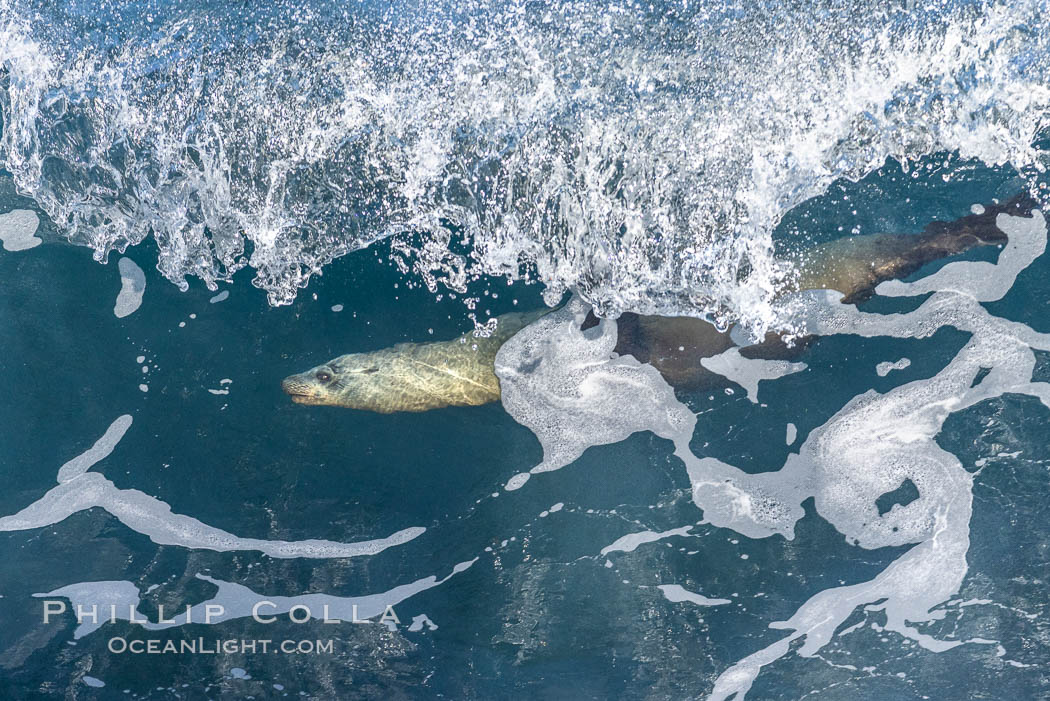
(854, 265)
(676, 345)
(411, 376)
(420, 377)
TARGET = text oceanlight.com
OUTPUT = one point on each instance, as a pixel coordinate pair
(202, 646)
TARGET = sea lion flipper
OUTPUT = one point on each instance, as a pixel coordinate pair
(982, 223)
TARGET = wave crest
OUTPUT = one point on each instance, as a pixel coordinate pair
(639, 154)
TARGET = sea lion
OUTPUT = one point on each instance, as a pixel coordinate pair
(412, 376)
(460, 372)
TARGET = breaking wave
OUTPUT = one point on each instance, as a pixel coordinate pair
(638, 153)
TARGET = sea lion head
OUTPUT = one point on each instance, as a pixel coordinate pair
(347, 381)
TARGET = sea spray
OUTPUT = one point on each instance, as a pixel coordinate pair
(639, 154)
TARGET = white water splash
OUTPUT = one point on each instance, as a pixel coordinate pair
(641, 157)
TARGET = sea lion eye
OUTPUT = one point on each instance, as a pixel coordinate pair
(323, 376)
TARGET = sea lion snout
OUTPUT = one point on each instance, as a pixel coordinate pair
(291, 385)
(302, 390)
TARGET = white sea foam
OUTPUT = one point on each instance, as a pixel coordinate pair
(18, 230)
(885, 368)
(132, 287)
(517, 481)
(565, 385)
(867, 449)
(876, 441)
(419, 621)
(630, 542)
(153, 518)
(99, 451)
(675, 593)
(748, 372)
(79, 490)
